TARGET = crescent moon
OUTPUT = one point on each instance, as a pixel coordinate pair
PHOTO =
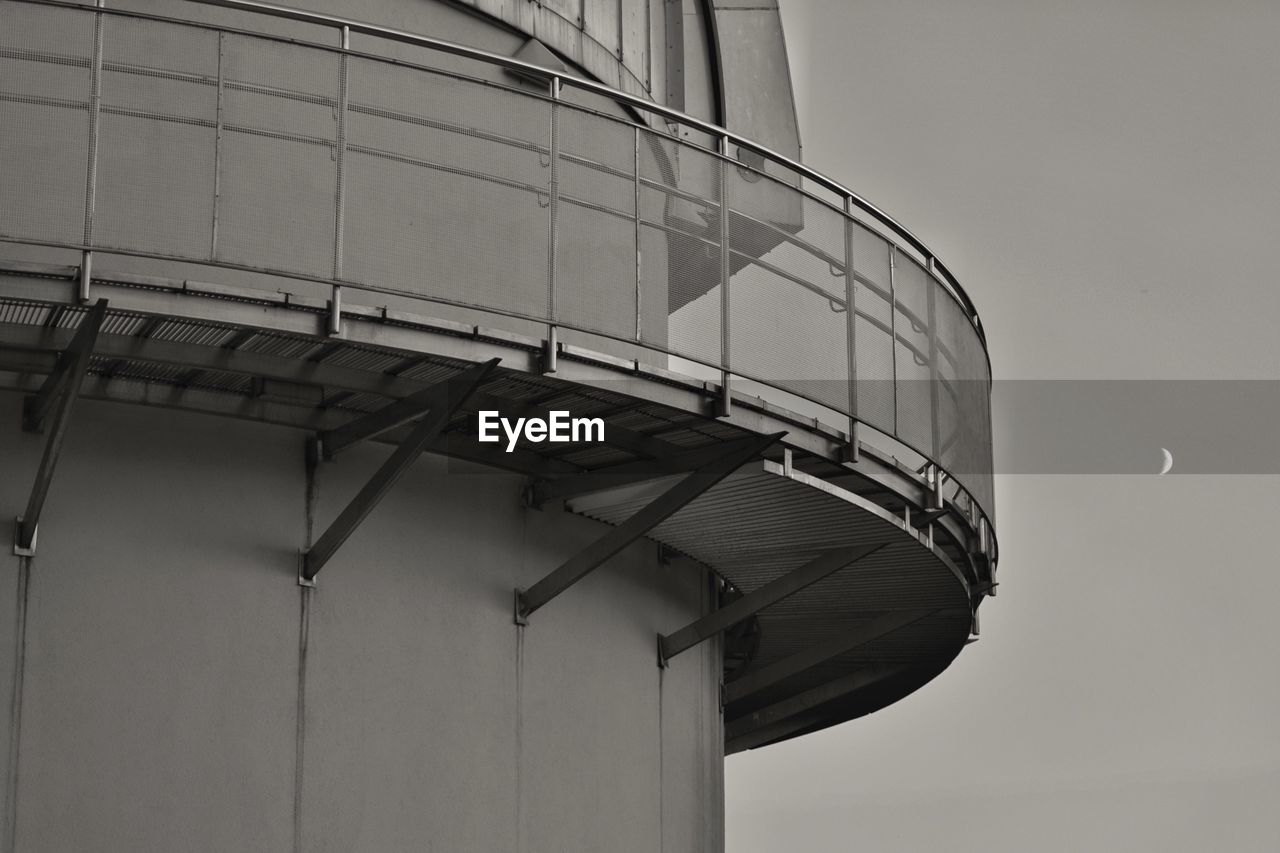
(1168, 461)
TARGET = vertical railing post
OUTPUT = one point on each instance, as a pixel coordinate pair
(724, 406)
(851, 331)
(935, 395)
(552, 343)
(95, 112)
(893, 329)
(553, 197)
(217, 148)
(91, 164)
(639, 255)
(86, 274)
(340, 191)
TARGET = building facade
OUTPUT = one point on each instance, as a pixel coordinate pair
(262, 271)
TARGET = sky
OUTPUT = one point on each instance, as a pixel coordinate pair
(1103, 178)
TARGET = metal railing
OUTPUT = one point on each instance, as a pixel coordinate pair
(488, 187)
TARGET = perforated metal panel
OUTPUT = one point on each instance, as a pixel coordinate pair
(46, 58)
(913, 363)
(439, 173)
(217, 146)
(788, 320)
(965, 416)
(158, 138)
(597, 286)
(278, 155)
(680, 208)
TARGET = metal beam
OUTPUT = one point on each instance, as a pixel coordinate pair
(599, 479)
(389, 417)
(732, 456)
(217, 359)
(810, 573)
(456, 391)
(63, 391)
(26, 361)
(790, 715)
(819, 653)
(36, 407)
(308, 418)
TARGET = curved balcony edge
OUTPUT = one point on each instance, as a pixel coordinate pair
(190, 345)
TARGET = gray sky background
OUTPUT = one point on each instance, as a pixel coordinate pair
(1103, 178)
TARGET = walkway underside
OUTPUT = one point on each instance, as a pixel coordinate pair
(845, 585)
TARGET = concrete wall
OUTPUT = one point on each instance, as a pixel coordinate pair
(177, 690)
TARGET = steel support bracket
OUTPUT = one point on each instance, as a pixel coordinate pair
(59, 392)
(454, 392)
(374, 424)
(680, 461)
(67, 372)
(753, 602)
(654, 513)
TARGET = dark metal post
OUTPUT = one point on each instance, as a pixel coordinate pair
(95, 112)
(893, 329)
(851, 331)
(935, 398)
(725, 404)
(553, 200)
(217, 148)
(340, 191)
(639, 255)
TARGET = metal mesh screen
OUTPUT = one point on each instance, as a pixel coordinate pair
(913, 363)
(157, 138)
(964, 418)
(447, 189)
(46, 57)
(869, 255)
(216, 146)
(680, 209)
(788, 320)
(596, 283)
(278, 155)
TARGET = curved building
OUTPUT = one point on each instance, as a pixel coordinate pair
(452, 425)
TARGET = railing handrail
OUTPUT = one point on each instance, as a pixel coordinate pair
(932, 262)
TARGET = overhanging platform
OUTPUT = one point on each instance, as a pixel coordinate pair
(766, 522)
